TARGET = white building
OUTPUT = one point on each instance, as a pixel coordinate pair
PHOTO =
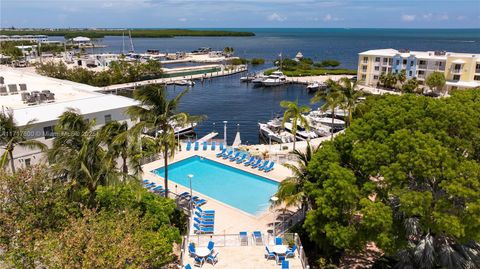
(85, 99)
(81, 41)
(31, 38)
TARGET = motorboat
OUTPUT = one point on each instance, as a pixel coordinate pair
(184, 82)
(339, 113)
(184, 129)
(302, 133)
(315, 86)
(331, 122)
(248, 78)
(258, 80)
(277, 78)
(276, 135)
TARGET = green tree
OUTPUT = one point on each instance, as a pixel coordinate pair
(436, 81)
(402, 76)
(330, 63)
(294, 113)
(78, 155)
(12, 136)
(411, 86)
(160, 115)
(332, 97)
(350, 95)
(388, 80)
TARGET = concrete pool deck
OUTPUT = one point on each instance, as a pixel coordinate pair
(228, 220)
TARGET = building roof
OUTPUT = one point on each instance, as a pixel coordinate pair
(51, 111)
(68, 94)
(464, 84)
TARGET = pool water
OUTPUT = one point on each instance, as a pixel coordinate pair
(237, 188)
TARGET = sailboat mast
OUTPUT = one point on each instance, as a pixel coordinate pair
(123, 43)
(131, 41)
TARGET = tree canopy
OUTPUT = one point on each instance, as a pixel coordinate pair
(404, 176)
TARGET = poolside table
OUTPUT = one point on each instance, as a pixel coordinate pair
(279, 249)
(202, 252)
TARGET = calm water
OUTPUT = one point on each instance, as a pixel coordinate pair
(228, 99)
(237, 188)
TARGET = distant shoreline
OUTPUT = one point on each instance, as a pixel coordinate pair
(146, 33)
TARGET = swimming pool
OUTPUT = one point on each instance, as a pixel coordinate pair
(229, 185)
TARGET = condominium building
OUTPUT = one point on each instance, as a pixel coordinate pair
(461, 70)
(38, 101)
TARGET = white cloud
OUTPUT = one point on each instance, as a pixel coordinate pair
(443, 17)
(183, 19)
(329, 17)
(461, 18)
(427, 17)
(276, 17)
(406, 17)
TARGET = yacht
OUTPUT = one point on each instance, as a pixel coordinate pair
(277, 78)
(258, 80)
(315, 86)
(302, 134)
(181, 130)
(184, 82)
(248, 78)
(268, 132)
(331, 122)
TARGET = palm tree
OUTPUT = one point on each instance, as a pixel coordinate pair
(291, 191)
(118, 138)
(332, 97)
(12, 136)
(294, 112)
(350, 96)
(78, 155)
(159, 114)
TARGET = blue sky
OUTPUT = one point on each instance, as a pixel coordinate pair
(241, 13)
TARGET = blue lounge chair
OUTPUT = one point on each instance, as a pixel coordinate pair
(205, 212)
(184, 195)
(196, 146)
(191, 250)
(214, 144)
(257, 164)
(211, 245)
(278, 241)
(252, 160)
(203, 218)
(291, 252)
(226, 156)
(257, 236)
(199, 261)
(234, 157)
(220, 154)
(261, 167)
(187, 266)
(243, 238)
(157, 188)
(269, 168)
(205, 145)
(241, 160)
(268, 254)
(285, 264)
(221, 146)
(280, 259)
(150, 185)
(205, 223)
(199, 202)
(212, 258)
(189, 146)
(146, 181)
(242, 157)
(203, 230)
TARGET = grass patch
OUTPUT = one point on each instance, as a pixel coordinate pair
(314, 72)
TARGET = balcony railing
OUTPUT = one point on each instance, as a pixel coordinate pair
(456, 70)
(477, 71)
(422, 66)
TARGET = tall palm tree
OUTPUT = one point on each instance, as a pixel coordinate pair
(332, 97)
(294, 112)
(156, 112)
(350, 95)
(78, 155)
(12, 136)
(291, 191)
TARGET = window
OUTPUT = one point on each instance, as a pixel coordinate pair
(375, 77)
(440, 63)
(477, 66)
(398, 62)
(410, 73)
(364, 77)
(108, 118)
(384, 69)
(377, 68)
(456, 77)
(385, 60)
(411, 63)
(364, 69)
(390, 61)
(28, 162)
(476, 77)
(48, 132)
(404, 62)
(377, 59)
(365, 59)
(422, 62)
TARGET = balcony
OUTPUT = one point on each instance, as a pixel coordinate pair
(422, 66)
(456, 70)
(477, 71)
(421, 76)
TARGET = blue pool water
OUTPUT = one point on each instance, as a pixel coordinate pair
(232, 186)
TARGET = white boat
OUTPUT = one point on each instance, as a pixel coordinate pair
(277, 78)
(339, 113)
(315, 86)
(317, 127)
(258, 80)
(302, 134)
(332, 122)
(248, 78)
(184, 82)
(181, 130)
(276, 136)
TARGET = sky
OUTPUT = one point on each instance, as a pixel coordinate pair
(240, 13)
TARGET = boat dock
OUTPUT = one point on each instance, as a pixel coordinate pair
(172, 80)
